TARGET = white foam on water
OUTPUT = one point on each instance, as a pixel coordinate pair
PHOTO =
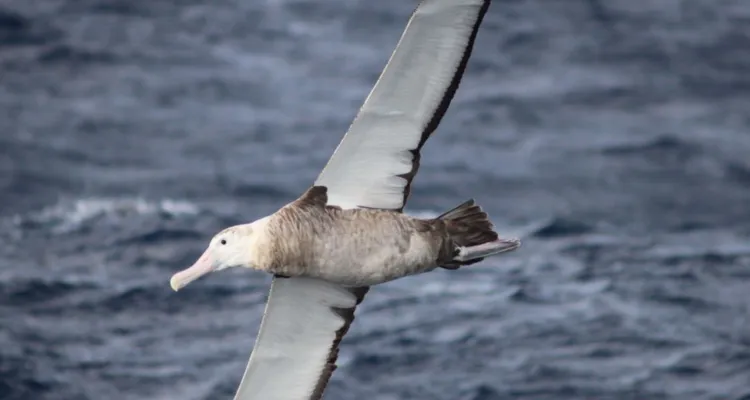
(67, 216)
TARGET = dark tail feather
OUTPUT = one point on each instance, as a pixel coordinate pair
(467, 225)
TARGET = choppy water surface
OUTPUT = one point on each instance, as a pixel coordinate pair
(612, 135)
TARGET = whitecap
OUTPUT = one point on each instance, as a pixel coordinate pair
(68, 216)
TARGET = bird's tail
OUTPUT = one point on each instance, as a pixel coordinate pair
(472, 236)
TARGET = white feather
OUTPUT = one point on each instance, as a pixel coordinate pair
(295, 338)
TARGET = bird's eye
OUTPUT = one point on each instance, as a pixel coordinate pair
(223, 241)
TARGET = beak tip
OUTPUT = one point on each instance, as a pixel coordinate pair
(174, 284)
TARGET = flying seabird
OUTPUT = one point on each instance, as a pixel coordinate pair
(347, 232)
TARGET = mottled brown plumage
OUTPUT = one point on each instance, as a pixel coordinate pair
(364, 246)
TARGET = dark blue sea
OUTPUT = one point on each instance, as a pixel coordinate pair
(611, 135)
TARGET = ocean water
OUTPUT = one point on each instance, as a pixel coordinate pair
(611, 135)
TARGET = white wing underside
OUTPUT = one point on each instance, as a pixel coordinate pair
(372, 167)
(298, 329)
(364, 170)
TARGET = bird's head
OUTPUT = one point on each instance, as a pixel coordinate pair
(232, 247)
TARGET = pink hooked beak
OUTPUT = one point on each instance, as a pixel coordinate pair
(201, 267)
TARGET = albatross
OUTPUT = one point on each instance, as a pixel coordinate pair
(348, 232)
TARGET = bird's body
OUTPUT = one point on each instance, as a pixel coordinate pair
(361, 246)
(353, 247)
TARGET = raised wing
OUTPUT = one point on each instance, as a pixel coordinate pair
(373, 166)
(376, 161)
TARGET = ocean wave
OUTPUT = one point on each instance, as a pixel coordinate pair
(28, 292)
(17, 29)
(67, 54)
(659, 146)
(71, 216)
(558, 227)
